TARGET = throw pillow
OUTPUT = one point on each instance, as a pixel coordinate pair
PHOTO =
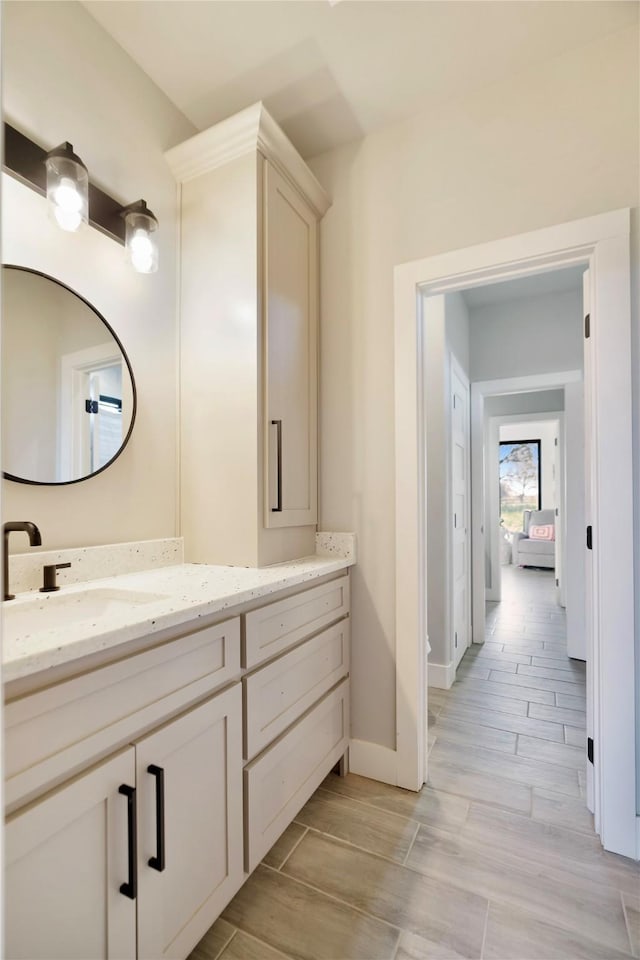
(542, 531)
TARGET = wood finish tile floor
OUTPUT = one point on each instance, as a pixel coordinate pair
(495, 858)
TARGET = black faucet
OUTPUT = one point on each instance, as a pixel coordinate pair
(35, 540)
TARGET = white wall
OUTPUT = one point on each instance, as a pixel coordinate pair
(515, 338)
(546, 431)
(64, 78)
(541, 401)
(543, 147)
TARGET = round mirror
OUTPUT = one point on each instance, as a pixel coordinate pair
(68, 394)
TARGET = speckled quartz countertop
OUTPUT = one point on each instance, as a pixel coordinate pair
(48, 630)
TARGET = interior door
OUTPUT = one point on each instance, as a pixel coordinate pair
(460, 489)
(588, 511)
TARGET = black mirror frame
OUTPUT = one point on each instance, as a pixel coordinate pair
(134, 406)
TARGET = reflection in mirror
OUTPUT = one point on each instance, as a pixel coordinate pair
(68, 395)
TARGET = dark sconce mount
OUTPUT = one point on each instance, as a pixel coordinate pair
(27, 162)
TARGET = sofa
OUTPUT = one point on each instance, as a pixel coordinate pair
(528, 552)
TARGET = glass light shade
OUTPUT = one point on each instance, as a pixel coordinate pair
(67, 188)
(140, 238)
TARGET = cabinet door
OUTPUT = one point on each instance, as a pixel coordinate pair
(291, 308)
(200, 758)
(66, 858)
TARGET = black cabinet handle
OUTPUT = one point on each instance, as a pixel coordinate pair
(158, 862)
(130, 888)
(278, 425)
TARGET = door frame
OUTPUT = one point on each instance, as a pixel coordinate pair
(493, 501)
(601, 243)
(480, 390)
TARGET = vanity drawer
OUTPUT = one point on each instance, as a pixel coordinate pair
(279, 782)
(111, 704)
(280, 692)
(277, 626)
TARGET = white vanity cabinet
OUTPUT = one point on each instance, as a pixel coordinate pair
(143, 790)
(138, 853)
(250, 210)
(154, 833)
(65, 859)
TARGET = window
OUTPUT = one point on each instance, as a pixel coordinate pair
(519, 473)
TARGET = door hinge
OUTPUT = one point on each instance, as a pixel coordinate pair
(557, 582)
(589, 538)
(590, 749)
(455, 521)
(91, 406)
(456, 639)
(587, 326)
(557, 514)
(555, 441)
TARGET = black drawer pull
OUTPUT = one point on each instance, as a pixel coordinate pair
(158, 862)
(130, 888)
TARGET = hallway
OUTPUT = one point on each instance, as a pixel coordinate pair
(495, 858)
(510, 736)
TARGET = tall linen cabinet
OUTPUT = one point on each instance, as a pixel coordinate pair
(249, 218)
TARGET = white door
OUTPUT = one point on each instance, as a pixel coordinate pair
(588, 512)
(189, 778)
(460, 540)
(66, 858)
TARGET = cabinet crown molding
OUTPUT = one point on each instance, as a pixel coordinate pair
(253, 129)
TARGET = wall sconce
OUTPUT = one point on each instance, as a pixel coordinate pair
(140, 239)
(62, 177)
(67, 187)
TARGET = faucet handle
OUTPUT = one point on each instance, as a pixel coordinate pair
(49, 571)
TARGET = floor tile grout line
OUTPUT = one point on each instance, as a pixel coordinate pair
(626, 923)
(344, 903)
(264, 943)
(371, 853)
(296, 844)
(484, 932)
(410, 847)
(558, 826)
(495, 726)
(397, 947)
(371, 806)
(556, 925)
(227, 942)
(552, 764)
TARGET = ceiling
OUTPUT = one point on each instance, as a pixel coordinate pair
(554, 281)
(333, 72)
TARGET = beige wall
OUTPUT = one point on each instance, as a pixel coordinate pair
(64, 78)
(552, 144)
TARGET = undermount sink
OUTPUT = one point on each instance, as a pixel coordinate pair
(35, 614)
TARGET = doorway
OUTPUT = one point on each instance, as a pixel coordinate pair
(602, 244)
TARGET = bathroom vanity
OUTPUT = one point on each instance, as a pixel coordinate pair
(151, 764)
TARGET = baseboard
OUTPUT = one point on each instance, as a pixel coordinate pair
(374, 761)
(441, 675)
